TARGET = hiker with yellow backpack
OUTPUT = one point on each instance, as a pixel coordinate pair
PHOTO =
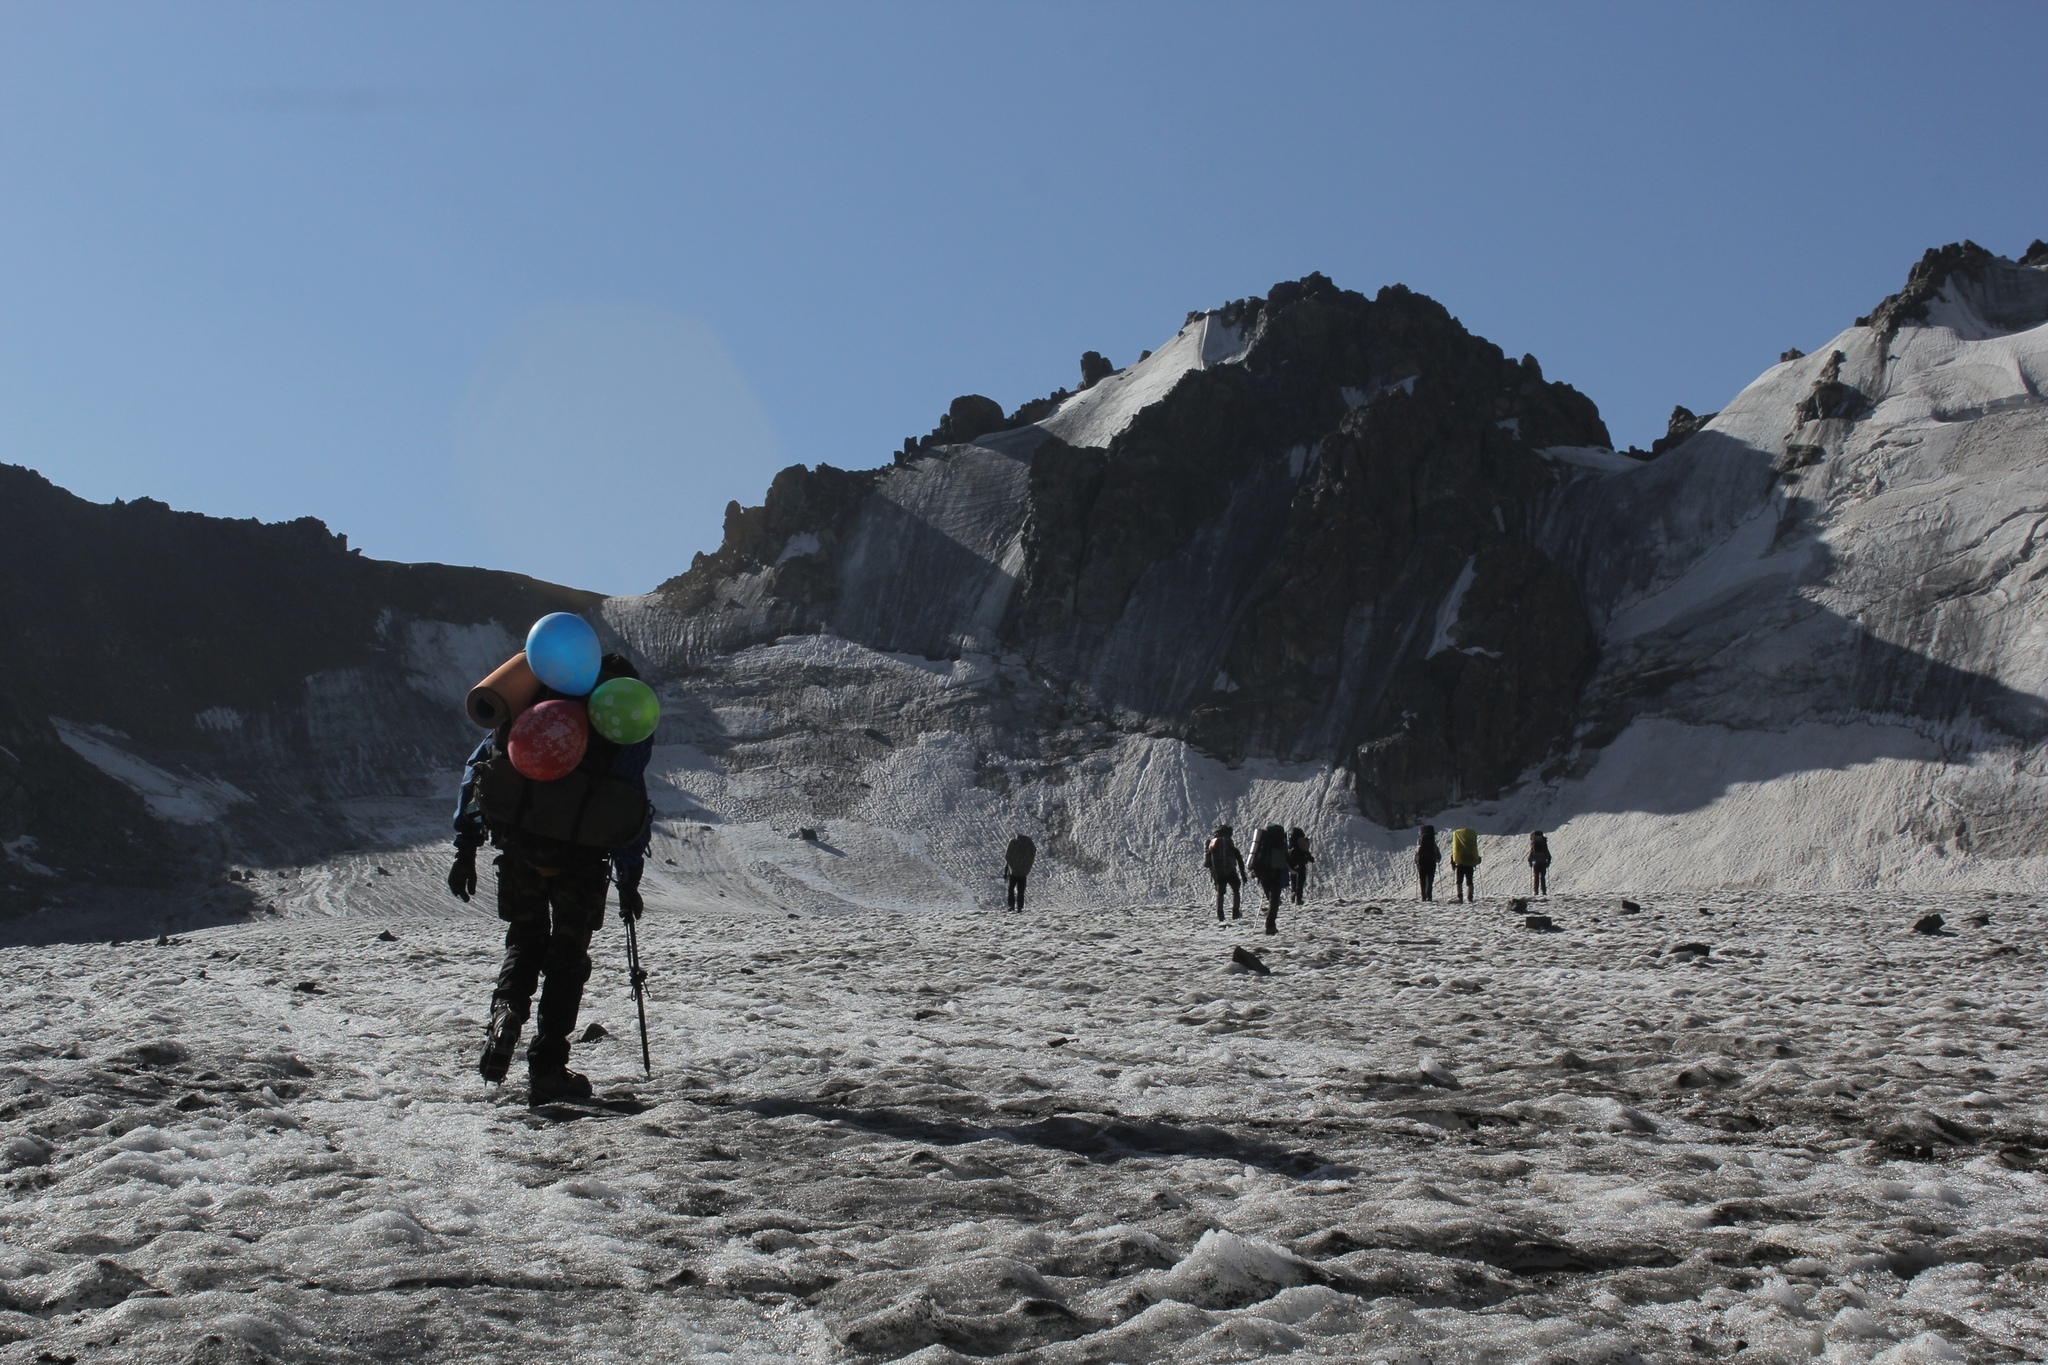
(1465, 858)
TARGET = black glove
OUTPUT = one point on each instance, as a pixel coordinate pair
(462, 876)
(630, 904)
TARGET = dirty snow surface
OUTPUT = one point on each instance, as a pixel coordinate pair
(1429, 1135)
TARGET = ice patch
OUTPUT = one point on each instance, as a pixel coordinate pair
(1358, 398)
(1593, 457)
(1226, 1270)
(1447, 614)
(1097, 415)
(17, 853)
(444, 659)
(219, 719)
(187, 800)
(798, 545)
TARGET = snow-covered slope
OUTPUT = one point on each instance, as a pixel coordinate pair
(1098, 414)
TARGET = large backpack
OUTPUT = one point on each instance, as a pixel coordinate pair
(590, 806)
(1465, 848)
(1269, 850)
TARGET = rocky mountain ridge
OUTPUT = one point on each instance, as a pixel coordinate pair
(1254, 560)
(184, 693)
(1319, 557)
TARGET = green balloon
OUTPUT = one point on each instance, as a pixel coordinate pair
(624, 710)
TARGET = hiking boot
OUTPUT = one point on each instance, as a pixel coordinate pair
(546, 1087)
(500, 1041)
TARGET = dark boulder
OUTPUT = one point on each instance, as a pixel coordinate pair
(1830, 399)
(967, 417)
(1683, 426)
(1249, 961)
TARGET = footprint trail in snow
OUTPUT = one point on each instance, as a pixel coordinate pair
(1428, 1135)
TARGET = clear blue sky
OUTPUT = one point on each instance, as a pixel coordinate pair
(541, 287)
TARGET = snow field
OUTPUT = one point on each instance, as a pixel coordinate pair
(1429, 1135)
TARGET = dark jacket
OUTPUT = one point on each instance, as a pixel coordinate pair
(472, 831)
(1298, 855)
(1019, 856)
(1427, 854)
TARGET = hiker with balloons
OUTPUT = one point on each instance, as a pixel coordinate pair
(559, 789)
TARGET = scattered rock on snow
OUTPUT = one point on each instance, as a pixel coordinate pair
(1570, 1061)
(387, 937)
(1539, 923)
(1629, 908)
(1928, 924)
(1689, 952)
(593, 1033)
(310, 988)
(1245, 960)
(1518, 905)
(1980, 920)
(1433, 1072)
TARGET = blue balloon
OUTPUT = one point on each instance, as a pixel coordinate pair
(563, 652)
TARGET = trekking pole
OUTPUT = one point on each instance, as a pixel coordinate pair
(639, 980)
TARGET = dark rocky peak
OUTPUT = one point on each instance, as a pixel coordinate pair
(1315, 541)
(2003, 295)
(1095, 367)
(1683, 426)
(797, 528)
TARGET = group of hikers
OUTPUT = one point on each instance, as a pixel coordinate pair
(556, 871)
(1279, 861)
(1465, 862)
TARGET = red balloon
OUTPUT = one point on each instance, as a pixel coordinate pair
(548, 739)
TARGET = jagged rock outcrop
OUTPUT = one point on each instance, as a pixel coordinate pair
(1303, 529)
(2006, 296)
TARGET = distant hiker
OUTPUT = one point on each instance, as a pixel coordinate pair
(1298, 859)
(1464, 858)
(1226, 869)
(1269, 865)
(1539, 864)
(1427, 856)
(1017, 858)
(561, 846)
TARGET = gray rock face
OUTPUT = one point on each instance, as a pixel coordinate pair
(1318, 541)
